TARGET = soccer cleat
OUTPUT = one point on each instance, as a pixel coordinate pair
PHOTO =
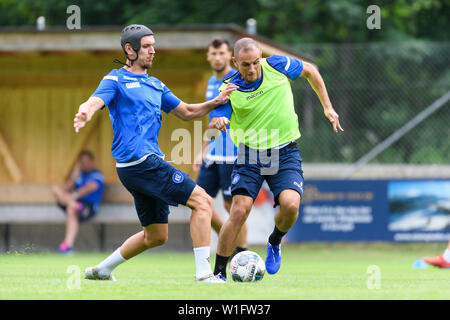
(65, 249)
(211, 278)
(273, 258)
(91, 273)
(437, 261)
(222, 277)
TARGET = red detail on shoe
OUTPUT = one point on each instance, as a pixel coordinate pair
(63, 246)
(437, 261)
(79, 206)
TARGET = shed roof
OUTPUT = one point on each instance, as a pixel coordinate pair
(169, 37)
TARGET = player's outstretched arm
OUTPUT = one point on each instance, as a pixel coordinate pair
(86, 111)
(315, 80)
(187, 111)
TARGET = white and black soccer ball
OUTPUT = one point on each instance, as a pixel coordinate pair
(247, 266)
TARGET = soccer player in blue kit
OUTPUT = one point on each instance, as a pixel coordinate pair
(216, 160)
(135, 101)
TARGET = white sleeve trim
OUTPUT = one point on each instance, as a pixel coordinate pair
(115, 78)
(288, 64)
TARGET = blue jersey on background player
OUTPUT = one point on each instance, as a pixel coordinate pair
(221, 149)
(95, 197)
(220, 153)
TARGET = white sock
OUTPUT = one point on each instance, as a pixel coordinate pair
(447, 255)
(109, 264)
(202, 265)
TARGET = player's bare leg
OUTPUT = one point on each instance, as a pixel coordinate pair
(241, 241)
(64, 198)
(151, 236)
(202, 206)
(287, 215)
(240, 209)
(72, 224)
(217, 223)
(285, 218)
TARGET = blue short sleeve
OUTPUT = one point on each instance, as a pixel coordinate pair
(291, 67)
(168, 100)
(97, 177)
(107, 89)
(223, 110)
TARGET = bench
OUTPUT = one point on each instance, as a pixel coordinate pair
(34, 204)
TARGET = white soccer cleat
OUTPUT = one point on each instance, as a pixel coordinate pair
(91, 273)
(210, 278)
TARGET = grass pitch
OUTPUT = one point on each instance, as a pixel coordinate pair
(309, 271)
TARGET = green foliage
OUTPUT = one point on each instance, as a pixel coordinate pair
(285, 21)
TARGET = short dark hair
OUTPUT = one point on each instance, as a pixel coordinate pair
(217, 42)
(86, 153)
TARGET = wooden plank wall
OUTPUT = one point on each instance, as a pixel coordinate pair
(40, 93)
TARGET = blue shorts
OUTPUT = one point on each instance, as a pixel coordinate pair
(215, 176)
(282, 169)
(155, 185)
(85, 210)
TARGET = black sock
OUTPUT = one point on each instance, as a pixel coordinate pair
(275, 237)
(237, 250)
(221, 265)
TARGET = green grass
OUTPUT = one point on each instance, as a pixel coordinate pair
(309, 271)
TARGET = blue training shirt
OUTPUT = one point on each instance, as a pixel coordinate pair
(135, 102)
(221, 149)
(291, 67)
(95, 197)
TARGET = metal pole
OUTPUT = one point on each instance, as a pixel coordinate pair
(397, 134)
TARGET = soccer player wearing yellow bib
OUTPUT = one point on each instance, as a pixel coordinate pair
(264, 125)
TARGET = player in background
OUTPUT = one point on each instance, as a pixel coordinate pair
(441, 261)
(265, 127)
(135, 101)
(79, 197)
(216, 160)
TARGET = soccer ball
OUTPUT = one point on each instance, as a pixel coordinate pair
(247, 266)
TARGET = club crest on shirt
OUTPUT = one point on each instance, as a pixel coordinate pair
(177, 177)
(300, 185)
